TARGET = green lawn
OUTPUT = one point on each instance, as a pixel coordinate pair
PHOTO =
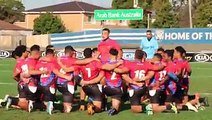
(200, 82)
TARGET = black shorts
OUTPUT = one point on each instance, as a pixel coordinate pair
(154, 96)
(21, 91)
(135, 95)
(67, 92)
(178, 96)
(93, 91)
(184, 91)
(28, 91)
(169, 99)
(48, 92)
(115, 93)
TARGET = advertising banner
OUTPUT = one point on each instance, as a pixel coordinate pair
(191, 56)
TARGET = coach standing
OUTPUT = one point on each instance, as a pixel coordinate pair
(149, 44)
(106, 44)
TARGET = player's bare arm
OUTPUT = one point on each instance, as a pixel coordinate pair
(110, 67)
(121, 70)
(95, 80)
(127, 78)
(85, 61)
(59, 74)
(158, 67)
(149, 75)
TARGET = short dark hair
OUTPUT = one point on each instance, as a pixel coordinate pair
(94, 49)
(161, 49)
(114, 51)
(139, 54)
(106, 29)
(49, 51)
(13, 55)
(20, 50)
(87, 52)
(69, 49)
(49, 47)
(35, 48)
(145, 54)
(159, 56)
(181, 50)
(149, 31)
(170, 53)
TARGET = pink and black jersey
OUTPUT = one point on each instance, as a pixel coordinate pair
(159, 75)
(138, 69)
(104, 48)
(18, 67)
(184, 66)
(68, 62)
(113, 79)
(46, 79)
(91, 70)
(31, 63)
(185, 69)
(171, 84)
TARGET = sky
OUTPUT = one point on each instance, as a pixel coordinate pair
(30, 4)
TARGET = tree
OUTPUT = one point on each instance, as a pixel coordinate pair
(139, 23)
(203, 16)
(128, 4)
(11, 11)
(165, 16)
(48, 23)
(122, 4)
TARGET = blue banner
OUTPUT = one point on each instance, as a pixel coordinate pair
(184, 36)
(133, 37)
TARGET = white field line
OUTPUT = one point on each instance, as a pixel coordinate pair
(2, 83)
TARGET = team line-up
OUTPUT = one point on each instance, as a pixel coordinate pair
(157, 80)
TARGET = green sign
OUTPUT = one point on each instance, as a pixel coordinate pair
(120, 14)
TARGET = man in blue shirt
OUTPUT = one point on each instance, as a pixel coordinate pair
(149, 44)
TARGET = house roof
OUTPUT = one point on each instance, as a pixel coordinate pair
(8, 26)
(74, 6)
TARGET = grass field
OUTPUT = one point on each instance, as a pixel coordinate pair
(200, 82)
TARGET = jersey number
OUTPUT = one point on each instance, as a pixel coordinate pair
(162, 75)
(43, 75)
(113, 76)
(139, 74)
(24, 68)
(89, 71)
(62, 71)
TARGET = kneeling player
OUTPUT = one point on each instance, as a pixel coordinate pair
(139, 73)
(20, 101)
(113, 87)
(157, 89)
(48, 81)
(67, 65)
(183, 86)
(92, 75)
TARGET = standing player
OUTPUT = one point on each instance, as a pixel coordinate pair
(106, 44)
